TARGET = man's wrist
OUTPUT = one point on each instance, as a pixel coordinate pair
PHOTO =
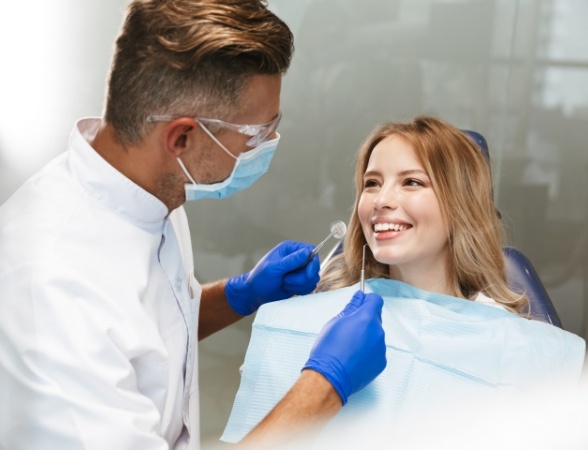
(323, 389)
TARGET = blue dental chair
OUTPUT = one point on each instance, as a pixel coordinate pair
(520, 273)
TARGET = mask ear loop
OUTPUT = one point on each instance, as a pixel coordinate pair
(213, 137)
(215, 140)
(186, 171)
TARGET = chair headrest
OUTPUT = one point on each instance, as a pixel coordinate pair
(480, 141)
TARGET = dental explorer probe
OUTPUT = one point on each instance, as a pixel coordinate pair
(338, 230)
(362, 273)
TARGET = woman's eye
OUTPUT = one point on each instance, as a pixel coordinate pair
(369, 184)
(413, 183)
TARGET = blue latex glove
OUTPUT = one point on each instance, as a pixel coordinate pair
(276, 276)
(350, 350)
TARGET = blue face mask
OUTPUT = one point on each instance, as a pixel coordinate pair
(249, 167)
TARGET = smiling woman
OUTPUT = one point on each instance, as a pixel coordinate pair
(401, 218)
(455, 333)
(424, 206)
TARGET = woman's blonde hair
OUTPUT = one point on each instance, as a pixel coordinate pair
(461, 178)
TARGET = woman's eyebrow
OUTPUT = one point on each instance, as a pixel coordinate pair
(402, 173)
(411, 171)
(371, 173)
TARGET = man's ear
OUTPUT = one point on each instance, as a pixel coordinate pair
(179, 135)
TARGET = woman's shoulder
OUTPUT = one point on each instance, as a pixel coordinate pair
(480, 297)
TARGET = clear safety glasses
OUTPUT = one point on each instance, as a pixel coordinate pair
(257, 133)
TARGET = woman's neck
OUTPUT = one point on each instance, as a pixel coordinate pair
(432, 279)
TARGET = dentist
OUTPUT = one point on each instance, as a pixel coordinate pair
(100, 313)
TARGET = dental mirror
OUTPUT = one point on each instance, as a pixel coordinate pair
(338, 230)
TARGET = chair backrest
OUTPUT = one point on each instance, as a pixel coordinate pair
(520, 273)
(522, 277)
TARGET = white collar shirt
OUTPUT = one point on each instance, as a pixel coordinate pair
(98, 311)
(481, 298)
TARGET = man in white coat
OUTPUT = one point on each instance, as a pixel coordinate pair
(100, 313)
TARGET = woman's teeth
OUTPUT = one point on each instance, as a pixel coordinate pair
(389, 227)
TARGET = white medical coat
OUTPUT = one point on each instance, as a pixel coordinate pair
(98, 312)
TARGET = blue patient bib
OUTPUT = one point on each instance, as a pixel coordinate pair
(440, 350)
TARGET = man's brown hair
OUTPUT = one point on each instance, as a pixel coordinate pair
(190, 57)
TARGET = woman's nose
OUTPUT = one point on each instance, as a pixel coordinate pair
(386, 198)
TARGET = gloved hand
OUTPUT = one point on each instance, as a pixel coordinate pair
(275, 277)
(350, 350)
